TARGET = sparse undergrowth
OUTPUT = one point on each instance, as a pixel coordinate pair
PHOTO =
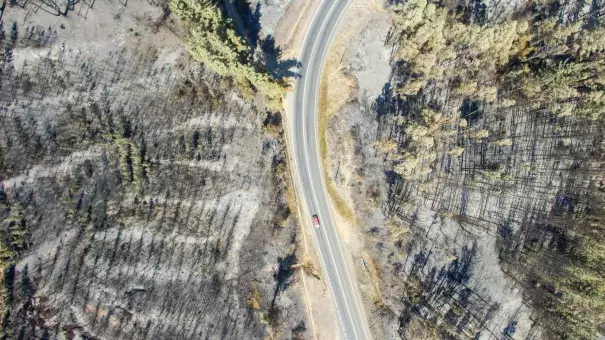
(138, 193)
(494, 128)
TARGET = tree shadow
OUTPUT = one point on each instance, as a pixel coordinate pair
(271, 60)
(250, 19)
(460, 270)
(385, 101)
(283, 275)
(267, 55)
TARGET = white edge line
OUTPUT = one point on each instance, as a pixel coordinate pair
(296, 165)
(330, 37)
(321, 173)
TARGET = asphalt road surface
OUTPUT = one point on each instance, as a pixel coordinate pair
(309, 173)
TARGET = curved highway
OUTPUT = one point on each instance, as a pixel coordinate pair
(309, 172)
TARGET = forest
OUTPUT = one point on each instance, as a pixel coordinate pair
(492, 128)
(137, 183)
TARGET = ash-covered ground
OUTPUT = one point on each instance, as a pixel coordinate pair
(141, 196)
(453, 253)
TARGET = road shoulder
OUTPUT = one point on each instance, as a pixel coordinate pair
(351, 73)
(320, 303)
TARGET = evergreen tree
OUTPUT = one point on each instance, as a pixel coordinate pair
(9, 279)
(214, 42)
(27, 290)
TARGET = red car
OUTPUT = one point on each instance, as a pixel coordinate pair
(316, 221)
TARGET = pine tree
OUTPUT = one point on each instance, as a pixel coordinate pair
(9, 279)
(27, 290)
(214, 42)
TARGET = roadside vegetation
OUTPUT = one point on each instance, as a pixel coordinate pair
(214, 42)
(509, 108)
(325, 111)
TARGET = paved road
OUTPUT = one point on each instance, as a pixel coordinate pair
(309, 173)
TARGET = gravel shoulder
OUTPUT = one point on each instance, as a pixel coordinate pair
(355, 71)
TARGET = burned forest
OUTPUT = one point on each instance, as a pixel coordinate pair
(142, 195)
(487, 221)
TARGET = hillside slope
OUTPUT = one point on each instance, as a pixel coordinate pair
(475, 176)
(141, 196)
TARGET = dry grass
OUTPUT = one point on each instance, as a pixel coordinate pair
(375, 276)
(290, 194)
(421, 329)
(284, 171)
(254, 297)
(284, 174)
(327, 107)
(308, 266)
(396, 229)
